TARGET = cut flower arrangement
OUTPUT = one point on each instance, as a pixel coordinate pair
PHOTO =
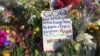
(21, 27)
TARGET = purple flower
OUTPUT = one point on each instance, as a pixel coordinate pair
(6, 42)
(89, 4)
(3, 36)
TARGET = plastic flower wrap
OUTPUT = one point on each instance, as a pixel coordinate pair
(75, 16)
(97, 9)
(89, 4)
(87, 46)
(93, 28)
(52, 3)
(70, 48)
(83, 37)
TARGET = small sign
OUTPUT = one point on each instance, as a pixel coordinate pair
(57, 27)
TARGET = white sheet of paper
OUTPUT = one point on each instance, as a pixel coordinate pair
(57, 27)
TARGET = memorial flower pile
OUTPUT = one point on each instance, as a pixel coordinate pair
(21, 27)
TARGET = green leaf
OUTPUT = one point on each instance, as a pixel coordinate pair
(36, 53)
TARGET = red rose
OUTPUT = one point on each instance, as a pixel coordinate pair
(64, 3)
(59, 3)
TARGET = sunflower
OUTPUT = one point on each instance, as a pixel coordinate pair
(75, 12)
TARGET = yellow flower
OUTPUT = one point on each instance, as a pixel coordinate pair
(6, 53)
(90, 23)
(76, 12)
(8, 31)
(77, 47)
(96, 28)
(34, 32)
(22, 27)
(37, 29)
(12, 40)
(93, 25)
(6, 27)
(11, 16)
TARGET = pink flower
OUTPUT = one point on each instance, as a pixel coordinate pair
(3, 38)
(19, 39)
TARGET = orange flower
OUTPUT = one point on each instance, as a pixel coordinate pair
(93, 26)
(76, 12)
(6, 53)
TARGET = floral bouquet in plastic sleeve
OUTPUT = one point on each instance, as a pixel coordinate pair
(87, 46)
